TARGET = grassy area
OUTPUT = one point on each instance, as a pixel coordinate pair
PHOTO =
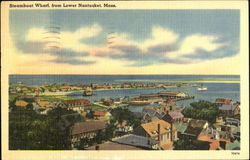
(97, 108)
(55, 98)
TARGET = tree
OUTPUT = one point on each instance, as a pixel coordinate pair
(188, 144)
(32, 131)
(202, 110)
(90, 114)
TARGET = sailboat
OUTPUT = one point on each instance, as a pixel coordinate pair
(201, 88)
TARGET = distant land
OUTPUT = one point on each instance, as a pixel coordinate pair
(237, 80)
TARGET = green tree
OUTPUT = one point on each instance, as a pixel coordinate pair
(202, 110)
(90, 114)
(32, 131)
(188, 144)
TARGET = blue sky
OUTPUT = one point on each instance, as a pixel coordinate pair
(137, 37)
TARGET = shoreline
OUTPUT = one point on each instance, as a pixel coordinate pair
(66, 93)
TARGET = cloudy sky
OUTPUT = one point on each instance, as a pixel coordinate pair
(125, 41)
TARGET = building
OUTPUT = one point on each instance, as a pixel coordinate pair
(230, 109)
(21, 103)
(44, 104)
(173, 116)
(137, 141)
(77, 105)
(195, 128)
(86, 129)
(221, 101)
(164, 132)
(65, 88)
(102, 115)
(232, 121)
(215, 144)
(150, 114)
(123, 128)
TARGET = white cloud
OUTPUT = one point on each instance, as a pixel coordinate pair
(64, 39)
(197, 41)
(160, 36)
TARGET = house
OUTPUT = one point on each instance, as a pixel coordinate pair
(28, 98)
(221, 101)
(44, 104)
(173, 116)
(215, 144)
(21, 103)
(137, 141)
(169, 107)
(77, 104)
(232, 121)
(221, 131)
(123, 128)
(150, 114)
(126, 85)
(102, 115)
(230, 109)
(65, 88)
(195, 128)
(164, 132)
(180, 127)
(86, 129)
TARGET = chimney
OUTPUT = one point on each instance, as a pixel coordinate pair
(97, 147)
(159, 136)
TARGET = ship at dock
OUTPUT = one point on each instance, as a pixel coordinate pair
(88, 92)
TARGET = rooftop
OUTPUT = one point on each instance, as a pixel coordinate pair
(21, 103)
(223, 100)
(135, 140)
(43, 104)
(88, 126)
(228, 107)
(152, 127)
(181, 127)
(175, 114)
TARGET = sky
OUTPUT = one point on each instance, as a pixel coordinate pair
(125, 41)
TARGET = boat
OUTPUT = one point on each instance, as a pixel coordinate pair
(88, 92)
(201, 88)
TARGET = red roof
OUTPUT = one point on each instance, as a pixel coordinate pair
(223, 101)
(214, 143)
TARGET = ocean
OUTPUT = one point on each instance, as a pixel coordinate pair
(215, 90)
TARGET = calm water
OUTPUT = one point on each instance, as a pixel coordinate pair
(215, 90)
